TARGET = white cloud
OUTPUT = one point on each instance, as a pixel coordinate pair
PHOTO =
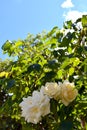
(74, 15)
(67, 4)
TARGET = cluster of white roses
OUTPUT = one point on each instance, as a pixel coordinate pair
(38, 105)
(65, 91)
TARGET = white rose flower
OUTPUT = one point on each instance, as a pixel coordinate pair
(52, 90)
(35, 106)
(68, 92)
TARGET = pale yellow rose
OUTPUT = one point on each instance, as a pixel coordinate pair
(68, 92)
(52, 90)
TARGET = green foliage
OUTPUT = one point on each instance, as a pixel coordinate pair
(47, 57)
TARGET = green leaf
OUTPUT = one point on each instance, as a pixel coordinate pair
(65, 63)
(66, 125)
(6, 45)
(13, 97)
(76, 61)
(84, 20)
(52, 31)
(50, 75)
(60, 73)
(71, 71)
(26, 89)
(34, 67)
(18, 43)
(68, 24)
(10, 83)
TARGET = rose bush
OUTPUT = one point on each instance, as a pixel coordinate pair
(48, 59)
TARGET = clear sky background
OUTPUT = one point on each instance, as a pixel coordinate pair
(20, 17)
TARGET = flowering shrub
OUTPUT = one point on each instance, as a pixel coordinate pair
(44, 87)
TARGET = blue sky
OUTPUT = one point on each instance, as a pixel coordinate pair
(20, 17)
